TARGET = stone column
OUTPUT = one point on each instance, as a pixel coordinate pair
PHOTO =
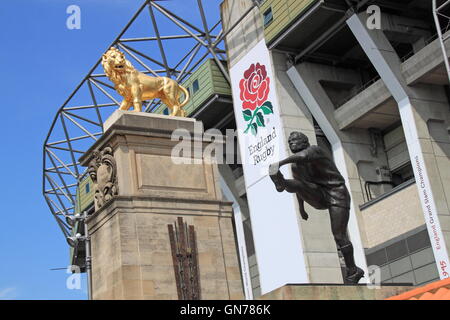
(140, 191)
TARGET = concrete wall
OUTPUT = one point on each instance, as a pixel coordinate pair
(417, 105)
(246, 34)
(391, 217)
(432, 116)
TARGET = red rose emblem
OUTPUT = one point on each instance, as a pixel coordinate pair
(254, 87)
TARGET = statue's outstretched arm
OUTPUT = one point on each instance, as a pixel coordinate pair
(298, 157)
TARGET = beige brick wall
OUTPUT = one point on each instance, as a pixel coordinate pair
(131, 252)
(393, 216)
(132, 259)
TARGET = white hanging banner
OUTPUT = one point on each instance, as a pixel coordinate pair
(274, 217)
(425, 194)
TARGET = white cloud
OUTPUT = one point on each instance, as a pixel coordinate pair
(8, 293)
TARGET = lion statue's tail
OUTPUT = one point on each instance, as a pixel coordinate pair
(186, 94)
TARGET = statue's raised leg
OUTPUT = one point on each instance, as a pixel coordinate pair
(279, 181)
(309, 192)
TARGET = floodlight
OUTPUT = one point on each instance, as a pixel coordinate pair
(73, 241)
(70, 221)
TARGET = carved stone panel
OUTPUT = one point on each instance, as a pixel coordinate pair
(103, 172)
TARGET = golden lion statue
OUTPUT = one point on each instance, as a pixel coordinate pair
(135, 87)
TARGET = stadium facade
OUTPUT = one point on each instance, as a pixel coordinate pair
(365, 80)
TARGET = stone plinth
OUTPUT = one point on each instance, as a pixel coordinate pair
(131, 249)
(334, 292)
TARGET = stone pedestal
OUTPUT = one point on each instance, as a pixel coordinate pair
(334, 292)
(132, 257)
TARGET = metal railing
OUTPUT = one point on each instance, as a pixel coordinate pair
(358, 91)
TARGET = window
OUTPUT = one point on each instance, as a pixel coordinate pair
(402, 174)
(87, 188)
(267, 17)
(195, 86)
(383, 180)
(406, 258)
(166, 111)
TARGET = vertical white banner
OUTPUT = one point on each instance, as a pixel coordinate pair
(274, 217)
(424, 187)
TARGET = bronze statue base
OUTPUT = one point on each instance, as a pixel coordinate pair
(317, 291)
(354, 278)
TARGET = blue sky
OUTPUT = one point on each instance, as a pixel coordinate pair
(41, 63)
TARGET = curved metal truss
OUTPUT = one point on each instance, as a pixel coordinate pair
(79, 122)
